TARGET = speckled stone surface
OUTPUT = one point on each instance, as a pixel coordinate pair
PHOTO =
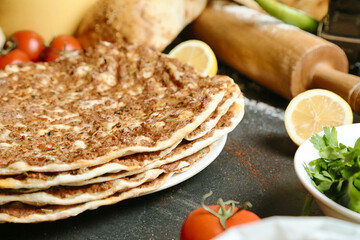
(255, 165)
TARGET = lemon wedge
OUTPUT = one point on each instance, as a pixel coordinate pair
(310, 111)
(197, 54)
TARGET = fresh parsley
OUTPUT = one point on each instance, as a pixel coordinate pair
(337, 172)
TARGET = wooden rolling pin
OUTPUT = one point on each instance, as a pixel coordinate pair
(279, 56)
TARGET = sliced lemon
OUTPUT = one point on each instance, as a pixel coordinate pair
(197, 54)
(310, 111)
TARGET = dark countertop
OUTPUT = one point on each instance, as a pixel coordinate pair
(255, 165)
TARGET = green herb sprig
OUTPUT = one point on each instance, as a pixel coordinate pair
(337, 172)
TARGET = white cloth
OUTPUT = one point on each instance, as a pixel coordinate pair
(294, 228)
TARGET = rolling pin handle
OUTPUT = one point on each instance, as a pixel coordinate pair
(343, 84)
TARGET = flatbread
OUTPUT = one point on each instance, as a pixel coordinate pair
(19, 212)
(93, 191)
(75, 195)
(226, 124)
(34, 181)
(233, 91)
(185, 164)
(22, 213)
(128, 165)
(164, 163)
(100, 104)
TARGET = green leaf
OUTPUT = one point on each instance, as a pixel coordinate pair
(331, 153)
(316, 162)
(324, 186)
(318, 142)
(347, 173)
(307, 169)
(339, 186)
(330, 137)
(357, 144)
(327, 174)
(357, 183)
(354, 192)
(321, 177)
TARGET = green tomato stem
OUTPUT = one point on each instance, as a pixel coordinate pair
(223, 214)
(9, 46)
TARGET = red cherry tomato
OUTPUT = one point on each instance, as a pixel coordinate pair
(51, 54)
(29, 42)
(14, 56)
(65, 43)
(60, 46)
(204, 224)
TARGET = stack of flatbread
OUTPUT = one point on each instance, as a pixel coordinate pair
(103, 125)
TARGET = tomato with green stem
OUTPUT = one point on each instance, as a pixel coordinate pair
(13, 57)
(207, 222)
(61, 46)
(29, 42)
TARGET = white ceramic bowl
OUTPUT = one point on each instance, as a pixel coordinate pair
(347, 135)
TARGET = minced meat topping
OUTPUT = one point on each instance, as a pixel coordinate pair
(97, 101)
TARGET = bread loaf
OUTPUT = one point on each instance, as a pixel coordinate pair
(153, 23)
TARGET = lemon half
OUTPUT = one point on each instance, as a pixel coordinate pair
(310, 111)
(197, 54)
